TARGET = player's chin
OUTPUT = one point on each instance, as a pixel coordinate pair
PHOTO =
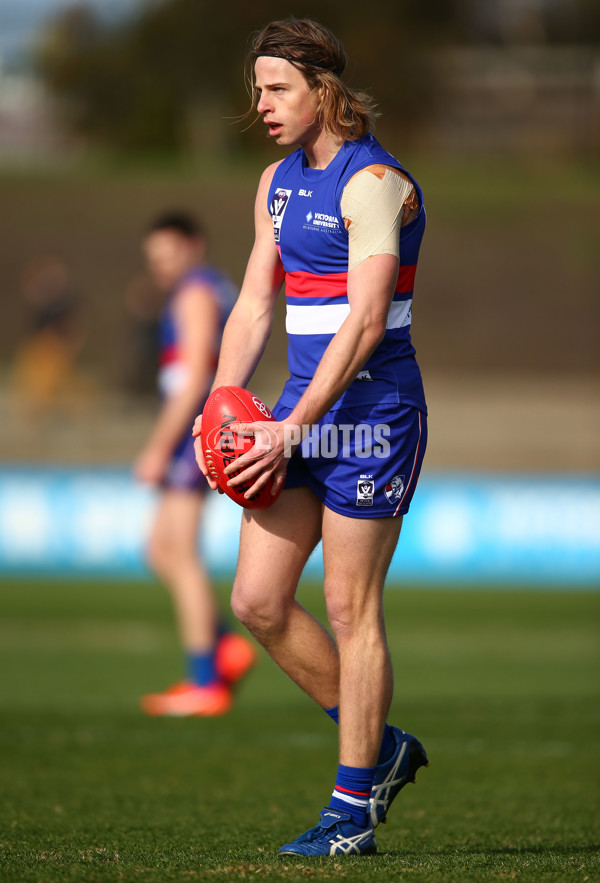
(281, 138)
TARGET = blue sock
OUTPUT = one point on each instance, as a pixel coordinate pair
(387, 743)
(352, 791)
(201, 668)
(334, 713)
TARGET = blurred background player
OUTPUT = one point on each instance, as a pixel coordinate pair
(198, 300)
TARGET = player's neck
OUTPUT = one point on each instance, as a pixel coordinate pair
(320, 151)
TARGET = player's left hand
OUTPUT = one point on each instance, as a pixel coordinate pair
(274, 444)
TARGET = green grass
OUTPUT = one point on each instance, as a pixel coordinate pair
(502, 687)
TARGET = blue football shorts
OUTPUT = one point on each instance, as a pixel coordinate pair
(183, 473)
(364, 461)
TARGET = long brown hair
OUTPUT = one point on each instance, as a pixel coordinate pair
(321, 58)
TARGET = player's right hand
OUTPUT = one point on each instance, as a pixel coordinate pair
(199, 453)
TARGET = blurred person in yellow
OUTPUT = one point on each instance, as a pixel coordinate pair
(197, 301)
(46, 379)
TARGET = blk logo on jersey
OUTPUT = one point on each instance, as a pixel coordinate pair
(365, 491)
(303, 192)
(394, 489)
(278, 206)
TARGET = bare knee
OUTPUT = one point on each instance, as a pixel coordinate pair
(351, 616)
(342, 620)
(166, 557)
(263, 613)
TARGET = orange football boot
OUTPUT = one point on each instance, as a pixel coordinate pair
(188, 700)
(235, 657)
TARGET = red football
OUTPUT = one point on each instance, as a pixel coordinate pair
(221, 446)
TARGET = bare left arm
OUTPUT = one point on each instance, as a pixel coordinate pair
(370, 290)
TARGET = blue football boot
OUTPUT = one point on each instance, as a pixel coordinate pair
(393, 775)
(336, 834)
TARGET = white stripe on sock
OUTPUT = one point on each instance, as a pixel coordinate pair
(347, 798)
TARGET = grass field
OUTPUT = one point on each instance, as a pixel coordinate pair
(502, 686)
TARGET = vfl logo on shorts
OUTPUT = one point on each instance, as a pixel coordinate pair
(277, 208)
(365, 491)
(394, 489)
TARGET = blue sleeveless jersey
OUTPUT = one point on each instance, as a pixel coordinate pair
(172, 368)
(309, 231)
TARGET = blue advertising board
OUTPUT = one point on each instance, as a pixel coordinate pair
(462, 528)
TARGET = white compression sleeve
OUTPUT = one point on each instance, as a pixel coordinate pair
(373, 206)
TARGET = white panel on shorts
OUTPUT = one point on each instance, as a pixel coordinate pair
(328, 318)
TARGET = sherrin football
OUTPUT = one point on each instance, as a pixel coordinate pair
(221, 446)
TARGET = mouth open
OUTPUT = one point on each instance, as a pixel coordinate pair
(274, 129)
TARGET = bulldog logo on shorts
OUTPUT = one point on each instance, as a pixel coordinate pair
(394, 488)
